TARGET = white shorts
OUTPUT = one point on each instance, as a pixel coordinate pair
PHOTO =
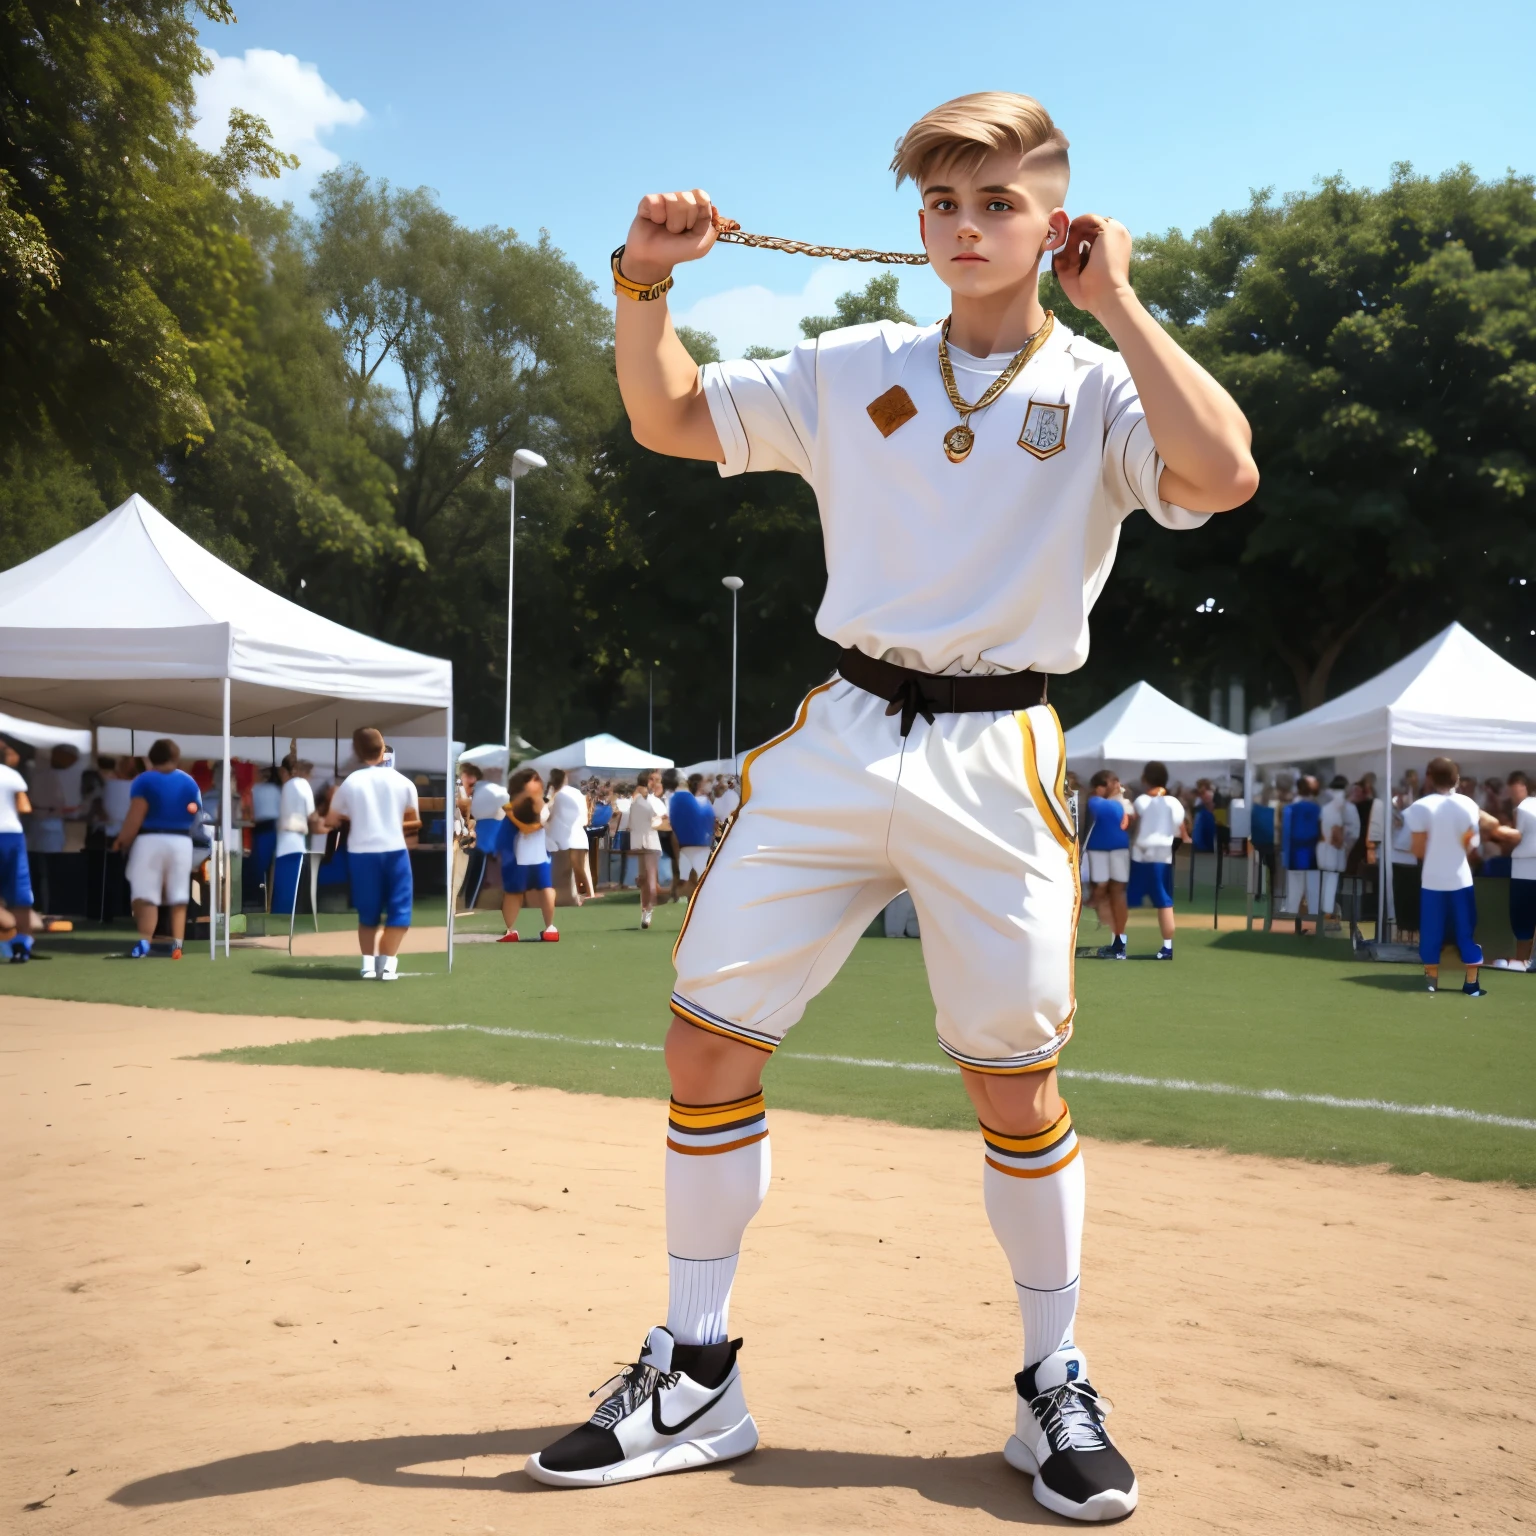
(692, 861)
(1109, 864)
(160, 868)
(837, 816)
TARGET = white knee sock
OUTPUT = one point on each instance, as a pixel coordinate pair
(1034, 1195)
(718, 1166)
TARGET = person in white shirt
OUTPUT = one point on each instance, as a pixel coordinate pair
(298, 824)
(969, 525)
(380, 807)
(647, 821)
(55, 796)
(1443, 825)
(1522, 873)
(623, 798)
(15, 871)
(523, 848)
(567, 832)
(1340, 825)
(266, 801)
(485, 801)
(1159, 825)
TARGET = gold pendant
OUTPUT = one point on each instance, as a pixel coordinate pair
(958, 442)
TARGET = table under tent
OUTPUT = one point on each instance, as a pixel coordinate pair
(132, 624)
(1453, 696)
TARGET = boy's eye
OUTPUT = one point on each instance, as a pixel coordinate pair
(943, 205)
(997, 205)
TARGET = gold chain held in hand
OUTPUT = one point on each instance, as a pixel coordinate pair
(958, 441)
(731, 233)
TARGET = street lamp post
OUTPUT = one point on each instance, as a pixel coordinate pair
(522, 461)
(735, 584)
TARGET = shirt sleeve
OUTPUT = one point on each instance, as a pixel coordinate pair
(1416, 817)
(765, 410)
(339, 800)
(1132, 465)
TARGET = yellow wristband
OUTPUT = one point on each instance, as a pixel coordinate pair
(627, 288)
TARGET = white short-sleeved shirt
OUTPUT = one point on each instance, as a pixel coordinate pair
(11, 785)
(116, 797)
(295, 806)
(488, 802)
(1158, 819)
(567, 818)
(1447, 819)
(646, 811)
(375, 800)
(1522, 857)
(989, 565)
(532, 847)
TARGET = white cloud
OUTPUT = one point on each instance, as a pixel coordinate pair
(740, 318)
(299, 108)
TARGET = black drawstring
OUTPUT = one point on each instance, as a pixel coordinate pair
(910, 701)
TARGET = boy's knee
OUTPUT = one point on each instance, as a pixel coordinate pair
(710, 1069)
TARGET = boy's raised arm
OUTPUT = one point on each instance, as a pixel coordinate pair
(1200, 431)
(657, 378)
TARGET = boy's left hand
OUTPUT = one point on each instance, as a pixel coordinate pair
(1094, 266)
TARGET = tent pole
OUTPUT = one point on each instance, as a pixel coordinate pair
(227, 818)
(448, 819)
(1386, 906)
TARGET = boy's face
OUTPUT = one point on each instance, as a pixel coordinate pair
(986, 230)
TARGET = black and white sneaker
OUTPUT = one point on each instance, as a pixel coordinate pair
(1060, 1440)
(679, 1406)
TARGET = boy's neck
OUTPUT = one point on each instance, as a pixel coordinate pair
(997, 322)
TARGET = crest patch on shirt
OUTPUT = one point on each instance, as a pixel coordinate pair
(1045, 429)
(893, 409)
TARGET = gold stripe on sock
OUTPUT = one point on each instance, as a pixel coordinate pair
(1036, 1143)
(724, 1146)
(1032, 1173)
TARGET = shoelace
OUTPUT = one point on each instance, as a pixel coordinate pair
(1072, 1416)
(633, 1386)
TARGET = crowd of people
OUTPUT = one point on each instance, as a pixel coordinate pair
(543, 838)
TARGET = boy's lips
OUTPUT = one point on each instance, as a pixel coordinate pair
(967, 256)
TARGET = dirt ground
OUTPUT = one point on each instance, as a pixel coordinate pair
(242, 1299)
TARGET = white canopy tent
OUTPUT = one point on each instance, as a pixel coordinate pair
(43, 736)
(603, 755)
(1142, 725)
(131, 623)
(1453, 695)
(492, 756)
(713, 767)
(330, 754)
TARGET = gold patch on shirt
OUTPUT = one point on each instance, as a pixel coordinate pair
(1045, 429)
(892, 410)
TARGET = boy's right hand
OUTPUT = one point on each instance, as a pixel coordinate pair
(669, 227)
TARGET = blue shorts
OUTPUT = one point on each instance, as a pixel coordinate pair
(15, 872)
(1522, 909)
(521, 878)
(381, 888)
(1150, 880)
(1453, 910)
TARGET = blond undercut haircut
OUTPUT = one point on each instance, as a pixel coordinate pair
(959, 135)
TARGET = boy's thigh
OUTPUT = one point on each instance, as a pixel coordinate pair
(982, 840)
(798, 876)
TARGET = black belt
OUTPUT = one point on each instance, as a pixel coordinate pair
(912, 693)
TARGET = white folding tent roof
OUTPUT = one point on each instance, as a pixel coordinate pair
(601, 754)
(713, 767)
(1452, 695)
(1142, 725)
(131, 623)
(43, 736)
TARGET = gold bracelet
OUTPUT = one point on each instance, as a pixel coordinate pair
(627, 288)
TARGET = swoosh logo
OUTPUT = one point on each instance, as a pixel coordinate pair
(661, 1425)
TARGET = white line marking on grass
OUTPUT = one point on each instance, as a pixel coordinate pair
(1123, 1079)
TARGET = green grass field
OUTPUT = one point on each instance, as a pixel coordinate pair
(1240, 1012)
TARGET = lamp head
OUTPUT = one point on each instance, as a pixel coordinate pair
(735, 583)
(524, 460)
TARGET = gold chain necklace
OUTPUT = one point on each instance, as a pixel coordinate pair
(959, 441)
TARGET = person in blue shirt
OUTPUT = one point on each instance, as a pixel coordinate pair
(1301, 829)
(163, 808)
(693, 823)
(1107, 844)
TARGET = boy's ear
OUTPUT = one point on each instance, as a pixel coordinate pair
(1056, 232)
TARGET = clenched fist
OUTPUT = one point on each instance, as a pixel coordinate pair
(1094, 264)
(669, 227)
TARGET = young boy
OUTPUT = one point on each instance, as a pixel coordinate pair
(1159, 825)
(523, 849)
(1107, 843)
(1301, 829)
(1444, 824)
(971, 479)
(381, 807)
(485, 801)
(15, 872)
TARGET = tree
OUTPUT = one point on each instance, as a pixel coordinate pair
(877, 301)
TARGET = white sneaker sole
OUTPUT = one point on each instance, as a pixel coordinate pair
(680, 1456)
(1102, 1506)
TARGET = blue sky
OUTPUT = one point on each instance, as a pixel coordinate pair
(560, 116)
